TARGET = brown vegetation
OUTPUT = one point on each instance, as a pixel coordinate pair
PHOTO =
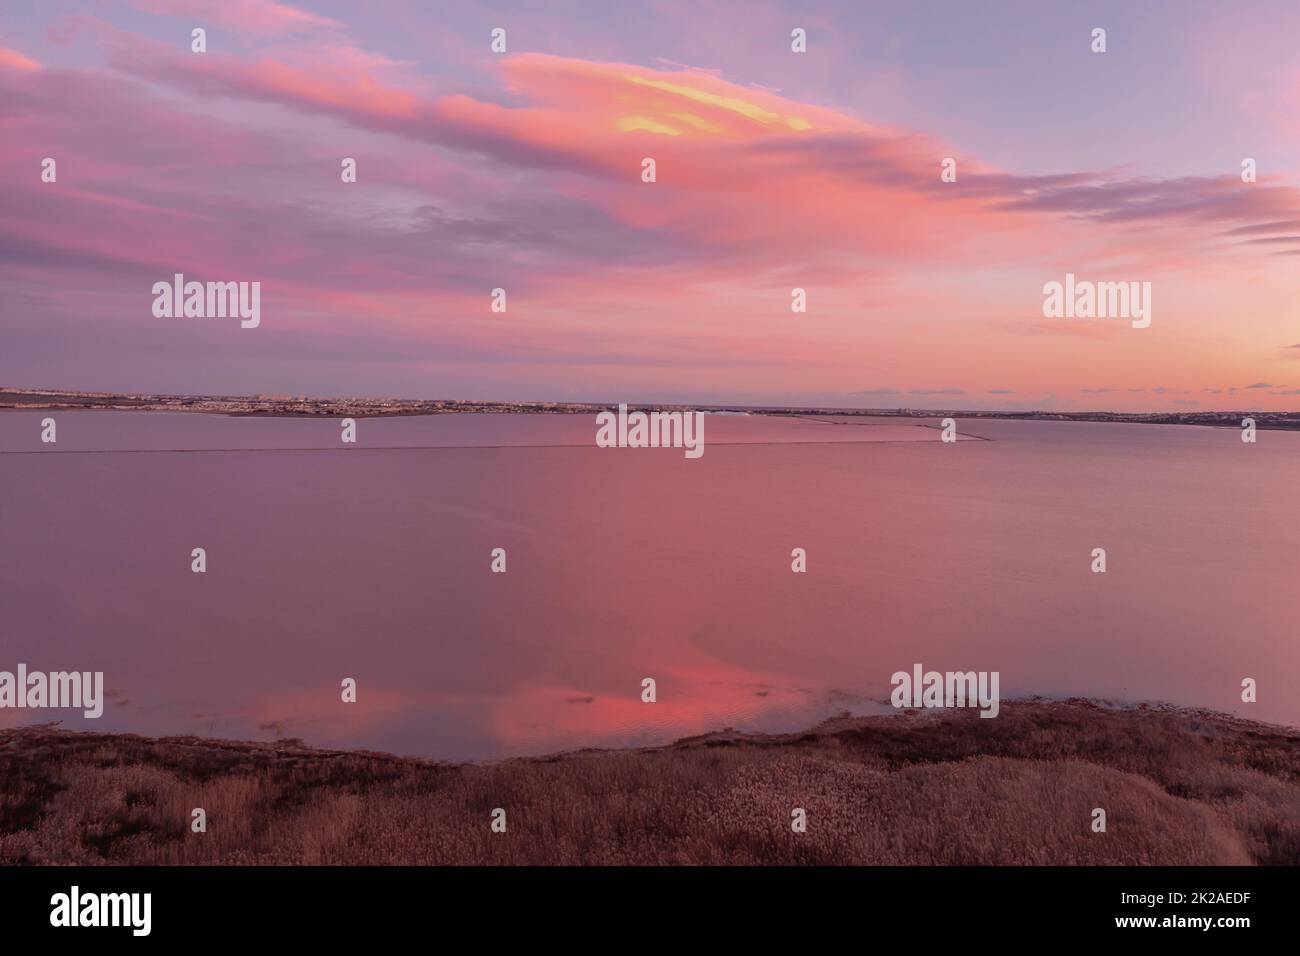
(1178, 787)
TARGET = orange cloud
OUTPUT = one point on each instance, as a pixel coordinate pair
(13, 60)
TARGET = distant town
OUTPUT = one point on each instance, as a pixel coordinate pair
(294, 405)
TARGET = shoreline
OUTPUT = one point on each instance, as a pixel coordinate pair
(1179, 786)
(263, 406)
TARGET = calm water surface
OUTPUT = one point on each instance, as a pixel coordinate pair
(372, 562)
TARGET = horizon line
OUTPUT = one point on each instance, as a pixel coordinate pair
(643, 405)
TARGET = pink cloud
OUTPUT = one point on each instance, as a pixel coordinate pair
(738, 167)
(259, 17)
(13, 60)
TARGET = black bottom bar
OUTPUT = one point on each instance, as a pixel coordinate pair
(618, 906)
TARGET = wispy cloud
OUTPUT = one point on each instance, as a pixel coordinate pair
(258, 17)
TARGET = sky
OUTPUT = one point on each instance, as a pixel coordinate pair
(522, 170)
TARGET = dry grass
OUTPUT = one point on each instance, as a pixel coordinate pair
(1179, 787)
